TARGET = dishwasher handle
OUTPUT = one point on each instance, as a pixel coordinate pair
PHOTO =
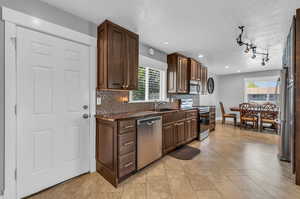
(149, 121)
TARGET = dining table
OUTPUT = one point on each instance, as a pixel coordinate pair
(258, 110)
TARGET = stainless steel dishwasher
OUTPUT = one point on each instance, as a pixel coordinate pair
(149, 133)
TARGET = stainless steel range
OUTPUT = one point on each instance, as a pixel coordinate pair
(203, 117)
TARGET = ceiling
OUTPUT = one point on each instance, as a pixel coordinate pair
(194, 27)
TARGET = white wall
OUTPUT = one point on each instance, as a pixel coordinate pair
(211, 99)
(158, 55)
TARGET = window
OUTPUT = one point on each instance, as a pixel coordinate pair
(154, 84)
(150, 86)
(140, 94)
(262, 90)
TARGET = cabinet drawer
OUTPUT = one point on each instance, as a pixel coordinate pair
(126, 125)
(127, 143)
(192, 114)
(127, 164)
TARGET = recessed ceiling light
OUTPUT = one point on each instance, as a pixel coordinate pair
(200, 56)
(226, 67)
(239, 71)
(166, 43)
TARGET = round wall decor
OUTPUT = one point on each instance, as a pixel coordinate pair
(210, 85)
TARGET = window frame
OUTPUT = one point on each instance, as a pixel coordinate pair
(163, 78)
(264, 78)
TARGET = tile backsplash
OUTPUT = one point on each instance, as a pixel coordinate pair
(113, 102)
(196, 98)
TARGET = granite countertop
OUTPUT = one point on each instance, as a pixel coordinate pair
(134, 115)
(131, 115)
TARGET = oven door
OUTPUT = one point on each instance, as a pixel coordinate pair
(203, 125)
(204, 122)
(194, 87)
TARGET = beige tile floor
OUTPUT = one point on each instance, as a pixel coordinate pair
(233, 164)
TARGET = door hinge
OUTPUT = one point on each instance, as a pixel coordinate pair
(16, 174)
(15, 109)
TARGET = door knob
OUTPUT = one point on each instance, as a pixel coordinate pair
(85, 116)
(85, 107)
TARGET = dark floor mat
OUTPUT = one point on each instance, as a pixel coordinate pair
(185, 153)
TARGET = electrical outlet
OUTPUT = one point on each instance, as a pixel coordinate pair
(98, 100)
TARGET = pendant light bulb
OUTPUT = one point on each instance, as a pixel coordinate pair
(247, 49)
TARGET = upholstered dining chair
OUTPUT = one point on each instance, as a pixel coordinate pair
(268, 115)
(225, 115)
(249, 115)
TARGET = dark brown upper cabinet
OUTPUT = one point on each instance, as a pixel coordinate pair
(204, 76)
(194, 70)
(177, 73)
(199, 71)
(193, 66)
(118, 55)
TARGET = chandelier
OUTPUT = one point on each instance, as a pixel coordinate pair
(252, 47)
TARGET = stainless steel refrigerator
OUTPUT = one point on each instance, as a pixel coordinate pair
(287, 99)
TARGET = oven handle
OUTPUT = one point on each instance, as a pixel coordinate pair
(198, 88)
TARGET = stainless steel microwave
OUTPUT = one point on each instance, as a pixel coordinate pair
(195, 87)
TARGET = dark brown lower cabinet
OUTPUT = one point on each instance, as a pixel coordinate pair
(178, 129)
(127, 164)
(180, 133)
(169, 135)
(116, 142)
(106, 150)
(194, 131)
(191, 129)
(188, 130)
(115, 149)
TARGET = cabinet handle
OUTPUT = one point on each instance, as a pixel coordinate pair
(128, 165)
(127, 127)
(125, 86)
(128, 143)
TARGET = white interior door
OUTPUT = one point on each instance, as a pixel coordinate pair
(52, 88)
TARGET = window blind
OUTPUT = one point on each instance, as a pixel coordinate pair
(149, 85)
(140, 94)
(154, 84)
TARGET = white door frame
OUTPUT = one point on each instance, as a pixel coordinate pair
(13, 19)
